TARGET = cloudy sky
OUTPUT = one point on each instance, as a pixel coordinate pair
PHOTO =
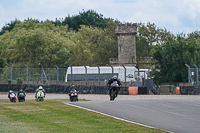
(177, 16)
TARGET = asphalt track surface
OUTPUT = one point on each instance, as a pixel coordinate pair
(172, 113)
(179, 115)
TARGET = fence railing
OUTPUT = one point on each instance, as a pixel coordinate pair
(56, 75)
(193, 76)
(32, 75)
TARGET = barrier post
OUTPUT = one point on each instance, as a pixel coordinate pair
(10, 73)
(98, 75)
(188, 73)
(124, 74)
(85, 75)
(112, 70)
(71, 74)
(57, 74)
(26, 73)
(197, 72)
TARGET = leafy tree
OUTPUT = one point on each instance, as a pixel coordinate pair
(33, 43)
(93, 46)
(149, 35)
(9, 26)
(2, 54)
(194, 35)
(171, 58)
(88, 18)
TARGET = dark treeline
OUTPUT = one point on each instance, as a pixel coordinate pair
(88, 18)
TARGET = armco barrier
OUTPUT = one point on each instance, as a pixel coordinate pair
(60, 89)
(142, 90)
(187, 90)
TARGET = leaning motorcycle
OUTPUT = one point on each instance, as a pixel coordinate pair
(40, 96)
(13, 97)
(73, 95)
(114, 88)
(21, 97)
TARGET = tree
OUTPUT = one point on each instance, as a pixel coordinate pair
(171, 58)
(194, 35)
(93, 46)
(2, 54)
(33, 43)
(149, 35)
(9, 26)
(88, 18)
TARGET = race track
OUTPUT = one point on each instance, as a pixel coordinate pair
(179, 115)
(173, 113)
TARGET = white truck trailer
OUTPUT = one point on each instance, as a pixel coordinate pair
(104, 72)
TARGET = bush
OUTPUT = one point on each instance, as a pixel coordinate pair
(20, 80)
(9, 81)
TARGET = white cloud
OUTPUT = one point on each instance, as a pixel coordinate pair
(177, 16)
(193, 10)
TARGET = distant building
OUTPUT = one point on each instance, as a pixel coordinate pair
(126, 45)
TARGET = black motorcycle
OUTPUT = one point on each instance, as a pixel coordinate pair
(114, 88)
(21, 97)
(73, 95)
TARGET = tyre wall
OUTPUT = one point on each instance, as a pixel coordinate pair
(188, 90)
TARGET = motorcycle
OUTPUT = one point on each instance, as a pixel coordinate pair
(73, 96)
(40, 96)
(114, 88)
(13, 97)
(21, 97)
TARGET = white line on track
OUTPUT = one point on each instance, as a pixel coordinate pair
(175, 113)
(112, 116)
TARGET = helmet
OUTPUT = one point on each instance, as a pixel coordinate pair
(114, 78)
(73, 86)
(21, 90)
(10, 91)
(40, 88)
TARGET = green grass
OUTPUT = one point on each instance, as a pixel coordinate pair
(52, 116)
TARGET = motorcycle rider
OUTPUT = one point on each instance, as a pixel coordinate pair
(39, 89)
(110, 81)
(73, 87)
(21, 91)
(10, 93)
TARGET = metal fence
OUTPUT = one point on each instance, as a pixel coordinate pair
(193, 76)
(56, 75)
(32, 75)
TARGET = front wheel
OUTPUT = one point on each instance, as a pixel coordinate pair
(14, 100)
(112, 96)
(75, 99)
(40, 99)
(71, 99)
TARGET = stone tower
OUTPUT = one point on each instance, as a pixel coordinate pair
(126, 45)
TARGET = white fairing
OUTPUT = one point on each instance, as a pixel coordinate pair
(40, 94)
(12, 95)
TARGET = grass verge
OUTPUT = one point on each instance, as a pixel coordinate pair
(52, 116)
